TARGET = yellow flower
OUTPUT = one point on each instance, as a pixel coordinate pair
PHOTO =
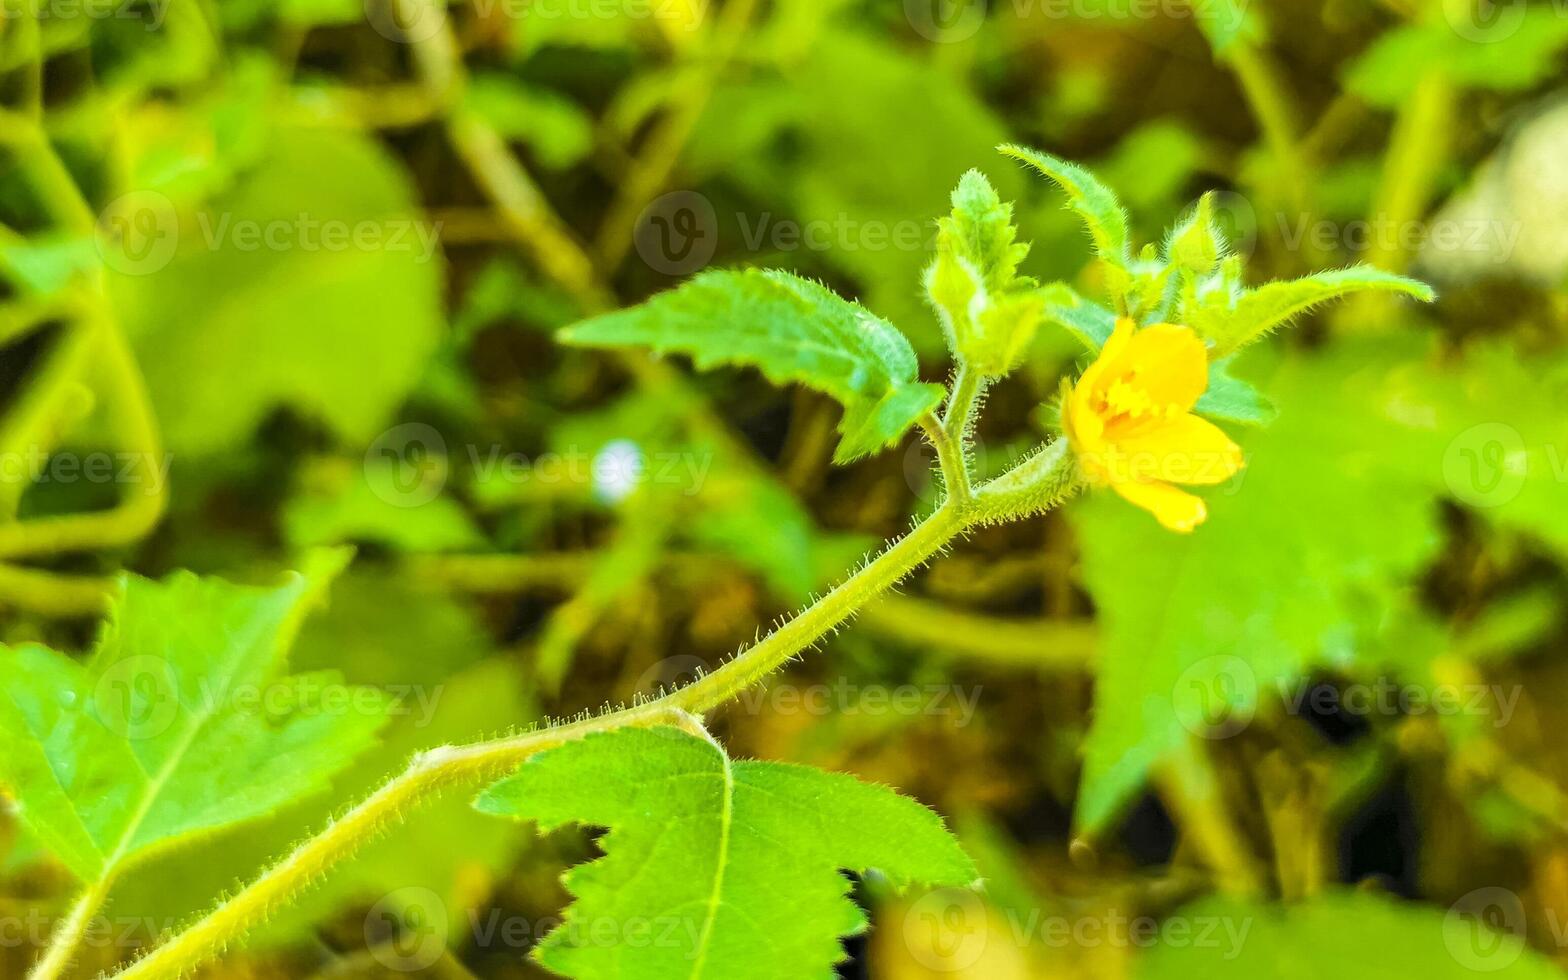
(1130, 424)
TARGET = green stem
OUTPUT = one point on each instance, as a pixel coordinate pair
(140, 511)
(1039, 482)
(26, 430)
(63, 944)
(957, 423)
(950, 456)
(1276, 115)
(1418, 150)
(1031, 644)
(652, 169)
(54, 594)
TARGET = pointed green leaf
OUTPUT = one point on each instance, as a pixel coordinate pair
(180, 723)
(988, 311)
(1258, 312)
(792, 330)
(1085, 319)
(716, 868)
(1094, 202)
(1231, 399)
(1195, 245)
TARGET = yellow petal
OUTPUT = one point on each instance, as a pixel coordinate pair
(1176, 509)
(1185, 449)
(1111, 358)
(1169, 362)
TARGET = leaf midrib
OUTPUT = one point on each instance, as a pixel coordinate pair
(721, 867)
(156, 783)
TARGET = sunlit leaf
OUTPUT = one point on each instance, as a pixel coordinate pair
(735, 865)
(181, 721)
(792, 330)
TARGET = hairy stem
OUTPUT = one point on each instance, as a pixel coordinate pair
(950, 456)
(63, 944)
(1039, 482)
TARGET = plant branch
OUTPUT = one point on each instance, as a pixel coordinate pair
(950, 456)
(63, 944)
(440, 769)
(52, 593)
(651, 171)
(1030, 644)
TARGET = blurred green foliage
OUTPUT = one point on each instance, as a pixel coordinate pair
(305, 259)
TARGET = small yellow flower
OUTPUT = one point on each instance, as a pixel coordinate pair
(1130, 424)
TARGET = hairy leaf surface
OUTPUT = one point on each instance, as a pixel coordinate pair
(1093, 201)
(716, 868)
(181, 722)
(791, 329)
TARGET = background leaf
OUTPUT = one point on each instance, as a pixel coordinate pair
(316, 252)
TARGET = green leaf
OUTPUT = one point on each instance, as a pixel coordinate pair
(1364, 936)
(349, 500)
(1092, 200)
(1085, 319)
(317, 252)
(1195, 245)
(1223, 22)
(415, 855)
(793, 330)
(1512, 50)
(988, 311)
(1231, 399)
(1507, 459)
(181, 722)
(1289, 568)
(1257, 312)
(717, 868)
(845, 174)
(556, 129)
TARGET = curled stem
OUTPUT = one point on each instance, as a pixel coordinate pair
(949, 455)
